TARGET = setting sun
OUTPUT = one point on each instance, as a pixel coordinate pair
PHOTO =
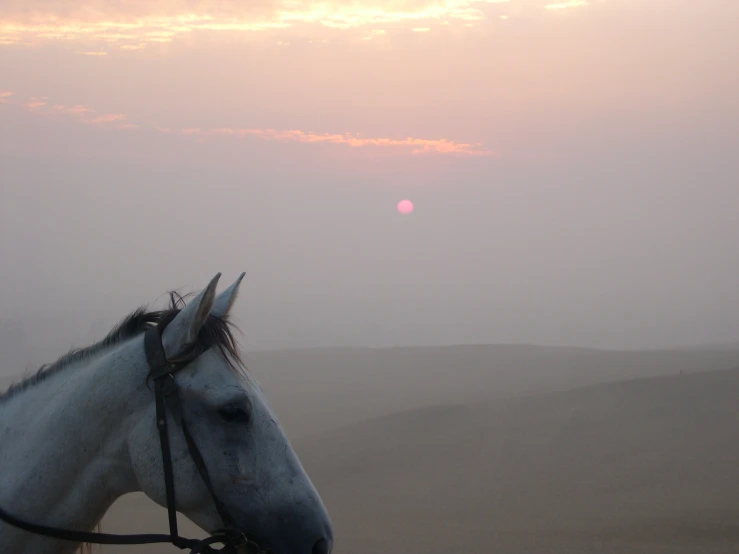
(405, 207)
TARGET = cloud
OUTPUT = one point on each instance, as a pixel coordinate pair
(118, 121)
(375, 33)
(77, 112)
(71, 110)
(415, 145)
(132, 25)
(106, 118)
(565, 5)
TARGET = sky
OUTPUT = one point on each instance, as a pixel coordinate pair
(573, 167)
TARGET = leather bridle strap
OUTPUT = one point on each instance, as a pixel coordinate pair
(197, 458)
(162, 371)
(166, 456)
(93, 538)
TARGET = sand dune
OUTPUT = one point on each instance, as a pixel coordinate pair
(314, 390)
(507, 449)
(646, 465)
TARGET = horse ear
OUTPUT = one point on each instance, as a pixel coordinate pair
(182, 331)
(226, 299)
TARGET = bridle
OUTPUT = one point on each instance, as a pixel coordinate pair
(166, 394)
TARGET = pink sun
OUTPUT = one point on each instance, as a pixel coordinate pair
(405, 207)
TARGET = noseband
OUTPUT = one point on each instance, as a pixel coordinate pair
(166, 394)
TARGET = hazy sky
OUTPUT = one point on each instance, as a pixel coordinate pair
(574, 167)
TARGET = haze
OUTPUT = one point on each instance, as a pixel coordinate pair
(572, 165)
(562, 303)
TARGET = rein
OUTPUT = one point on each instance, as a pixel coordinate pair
(166, 395)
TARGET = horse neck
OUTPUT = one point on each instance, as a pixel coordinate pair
(63, 451)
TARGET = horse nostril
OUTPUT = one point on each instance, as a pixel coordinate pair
(320, 547)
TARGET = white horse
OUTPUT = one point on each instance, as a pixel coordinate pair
(82, 432)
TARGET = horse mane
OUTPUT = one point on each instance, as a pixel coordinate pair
(217, 332)
(86, 547)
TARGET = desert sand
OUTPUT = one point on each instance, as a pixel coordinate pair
(511, 449)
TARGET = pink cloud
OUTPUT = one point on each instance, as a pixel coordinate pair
(106, 118)
(72, 110)
(414, 145)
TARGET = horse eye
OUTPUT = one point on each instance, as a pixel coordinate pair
(233, 413)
